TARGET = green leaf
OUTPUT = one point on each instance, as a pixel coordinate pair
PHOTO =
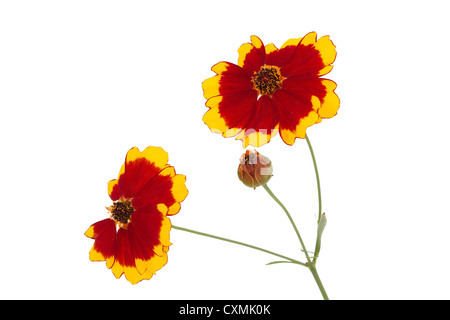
(320, 227)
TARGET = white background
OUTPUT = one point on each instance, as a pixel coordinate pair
(81, 82)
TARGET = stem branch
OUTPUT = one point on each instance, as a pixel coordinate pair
(239, 243)
(311, 266)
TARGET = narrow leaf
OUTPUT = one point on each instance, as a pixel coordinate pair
(320, 228)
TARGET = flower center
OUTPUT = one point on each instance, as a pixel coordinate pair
(121, 211)
(267, 80)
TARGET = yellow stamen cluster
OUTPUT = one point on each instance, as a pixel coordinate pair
(121, 211)
(267, 80)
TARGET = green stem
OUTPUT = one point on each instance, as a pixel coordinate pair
(311, 266)
(317, 176)
(318, 244)
(239, 243)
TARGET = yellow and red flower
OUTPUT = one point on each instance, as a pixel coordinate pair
(272, 90)
(134, 240)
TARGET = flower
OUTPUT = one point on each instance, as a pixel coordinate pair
(272, 90)
(254, 169)
(134, 240)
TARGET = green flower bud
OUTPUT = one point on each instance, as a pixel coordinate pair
(254, 169)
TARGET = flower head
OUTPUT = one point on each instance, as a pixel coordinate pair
(254, 169)
(134, 240)
(272, 90)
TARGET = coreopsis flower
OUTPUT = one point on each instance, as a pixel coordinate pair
(272, 90)
(254, 169)
(134, 240)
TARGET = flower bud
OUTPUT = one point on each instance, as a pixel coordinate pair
(254, 169)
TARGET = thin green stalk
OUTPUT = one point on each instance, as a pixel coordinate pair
(317, 176)
(318, 240)
(311, 266)
(239, 243)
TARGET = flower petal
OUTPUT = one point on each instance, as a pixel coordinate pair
(104, 233)
(113, 186)
(323, 89)
(252, 120)
(289, 135)
(229, 113)
(212, 118)
(150, 233)
(151, 227)
(279, 57)
(252, 55)
(223, 84)
(327, 50)
(166, 187)
(292, 108)
(179, 193)
(310, 58)
(270, 48)
(228, 68)
(140, 168)
(141, 253)
(155, 264)
(144, 252)
(230, 78)
(263, 124)
(330, 102)
(113, 189)
(124, 262)
(303, 103)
